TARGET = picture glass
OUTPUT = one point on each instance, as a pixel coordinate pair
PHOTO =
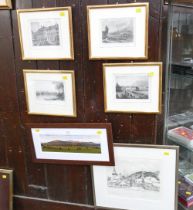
(47, 91)
(72, 144)
(46, 34)
(2, 2)
(132, 87)
(50, 93)
(118, 31)
(141, 178)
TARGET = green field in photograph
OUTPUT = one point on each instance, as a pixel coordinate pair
(72, 149)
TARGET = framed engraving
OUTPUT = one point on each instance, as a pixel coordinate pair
(144, 176)
(50, 92)
(118, 31)
(132, 87)
(5, 4)
(72, 143)
(46, 34)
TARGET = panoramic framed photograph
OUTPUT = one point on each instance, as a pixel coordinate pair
(118, 31)
(144, 177)
(5, 4)
(50, 92)
(6, 189)
(72, 143)
(132, 87)
(46, 34)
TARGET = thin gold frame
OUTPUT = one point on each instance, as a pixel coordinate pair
(133, 64)
(10, 173)
(25, 71)
(45, 10)
(7, 5)
(176, 148)
(146, 5)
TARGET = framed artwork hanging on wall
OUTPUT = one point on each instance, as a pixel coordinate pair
(118, 31)
(46, 34)
(5, 4)
(50, 92)
(72, 143)
(132, 87)
(144, 177)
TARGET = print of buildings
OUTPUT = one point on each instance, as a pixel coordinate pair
(46, 36)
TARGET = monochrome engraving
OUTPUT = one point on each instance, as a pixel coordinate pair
(45, 32)
(141, 178)
(118, 30)
(133, 86)
(46, 90)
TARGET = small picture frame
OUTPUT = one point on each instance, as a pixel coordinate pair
(72, 143)
(132, 87)
(5, 4)
(6, 189)
(46, 33)
(144, 177)
(50, 92)
(118, 31)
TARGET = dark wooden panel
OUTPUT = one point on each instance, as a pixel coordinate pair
(75, 184)
(21, 203)
(3, 144)
(126, 127)
(9, 105)
(59, 182)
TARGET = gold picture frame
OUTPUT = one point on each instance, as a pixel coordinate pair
(6, 181)
(5, 4)
(108, 34)
(47, 38)
(132, 87)
(50, 92)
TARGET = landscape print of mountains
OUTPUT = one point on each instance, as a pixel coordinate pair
(71, 146)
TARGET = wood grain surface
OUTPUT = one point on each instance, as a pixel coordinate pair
(65, 183)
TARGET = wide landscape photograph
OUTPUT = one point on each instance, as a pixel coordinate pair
(70, 144)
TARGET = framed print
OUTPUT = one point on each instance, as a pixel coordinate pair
(46, 34)
(118, 31)
(50, 92)
(5, 4)
(72, 143)
(144, 177)
(132, 87)
(6, 189)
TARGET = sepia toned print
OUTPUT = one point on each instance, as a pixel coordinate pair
(118, 30)
(45, 32)
(134, 86)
